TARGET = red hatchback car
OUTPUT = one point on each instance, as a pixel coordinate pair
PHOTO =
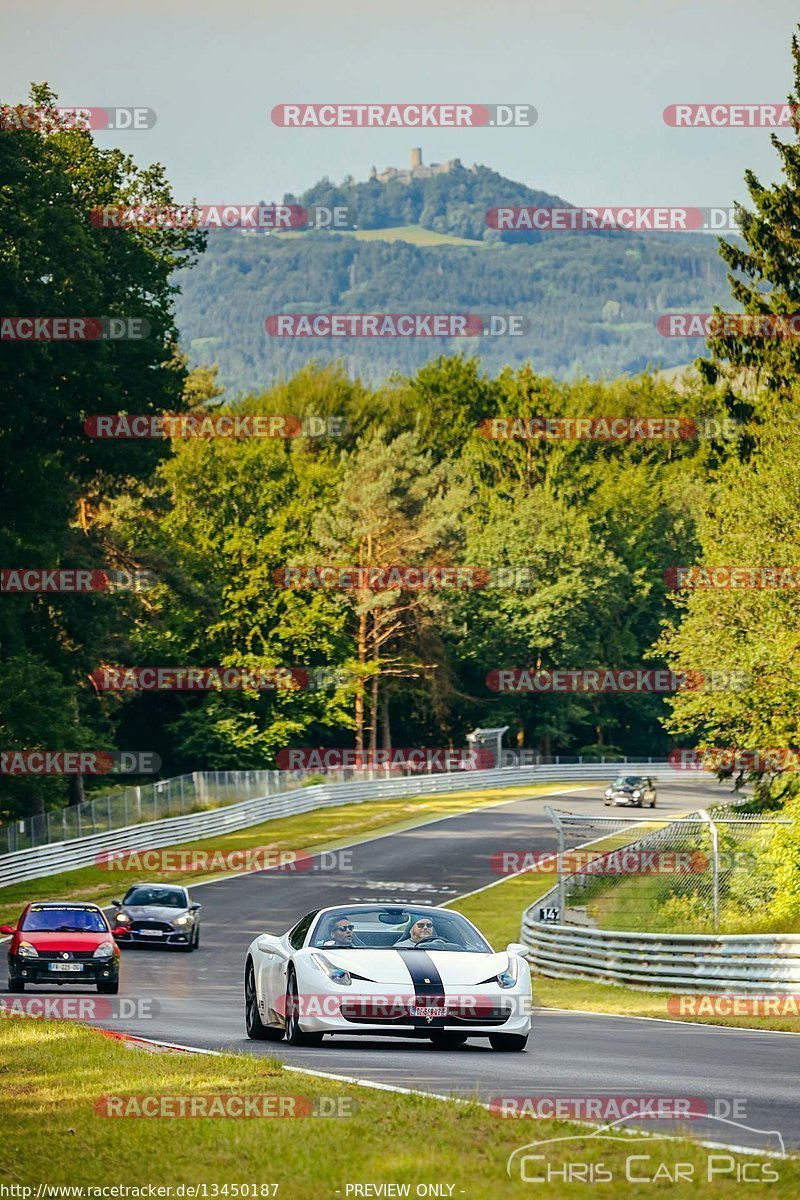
(62, 942)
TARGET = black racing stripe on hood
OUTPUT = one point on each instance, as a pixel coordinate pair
(424, 975)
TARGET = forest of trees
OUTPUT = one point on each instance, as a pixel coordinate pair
(592, 301)
(412, 478)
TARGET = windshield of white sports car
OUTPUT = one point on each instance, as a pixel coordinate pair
(386, 926)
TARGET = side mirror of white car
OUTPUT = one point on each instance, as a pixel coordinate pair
(517, 948)
(267, 943)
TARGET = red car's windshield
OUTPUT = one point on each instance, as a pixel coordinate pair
(63, 920)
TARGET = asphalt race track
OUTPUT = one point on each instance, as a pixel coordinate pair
(200, 1002)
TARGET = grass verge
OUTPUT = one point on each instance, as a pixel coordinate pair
(54, 1073)
(323, 829)
(497, 911)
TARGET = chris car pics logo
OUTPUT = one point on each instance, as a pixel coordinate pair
(617, 1153)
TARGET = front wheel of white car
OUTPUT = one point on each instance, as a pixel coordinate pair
(508, 1041)
(256, 1029)
(295, 1034)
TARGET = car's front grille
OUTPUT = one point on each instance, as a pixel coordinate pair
(362, 1012)
(58, 956)
(161, 926)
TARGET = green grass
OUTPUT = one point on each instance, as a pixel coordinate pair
(52, 1075)
(497, 911)
(415, 234)
(326, 828)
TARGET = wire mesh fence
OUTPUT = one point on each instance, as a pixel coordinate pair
(700, 873)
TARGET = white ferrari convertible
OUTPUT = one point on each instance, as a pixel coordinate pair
(386, 969)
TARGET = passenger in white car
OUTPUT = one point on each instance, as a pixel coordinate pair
(342, 935)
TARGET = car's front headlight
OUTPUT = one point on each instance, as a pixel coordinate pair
(337, 974)
(122, 919)
(510, 975)
(26, 950)
(184, 920)
(104, 950)
(637, 794)
(609, 793)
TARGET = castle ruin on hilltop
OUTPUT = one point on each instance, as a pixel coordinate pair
(418, 170)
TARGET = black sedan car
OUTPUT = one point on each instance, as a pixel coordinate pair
(157, 914)
(635, 790)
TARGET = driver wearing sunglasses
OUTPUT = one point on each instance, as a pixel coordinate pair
(421, 936)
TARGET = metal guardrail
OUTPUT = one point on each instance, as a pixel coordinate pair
(80, 852)
(740, 963)
(182, 794)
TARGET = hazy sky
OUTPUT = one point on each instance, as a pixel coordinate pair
(599, 74)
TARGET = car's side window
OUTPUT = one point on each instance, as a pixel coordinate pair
(298, 934)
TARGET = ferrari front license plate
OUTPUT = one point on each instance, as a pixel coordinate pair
(66, 966)
(418, 1010)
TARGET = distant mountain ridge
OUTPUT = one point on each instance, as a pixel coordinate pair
(592, 300)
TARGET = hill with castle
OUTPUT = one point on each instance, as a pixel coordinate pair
(447, 198)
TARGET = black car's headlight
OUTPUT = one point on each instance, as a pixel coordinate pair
(122, 919)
